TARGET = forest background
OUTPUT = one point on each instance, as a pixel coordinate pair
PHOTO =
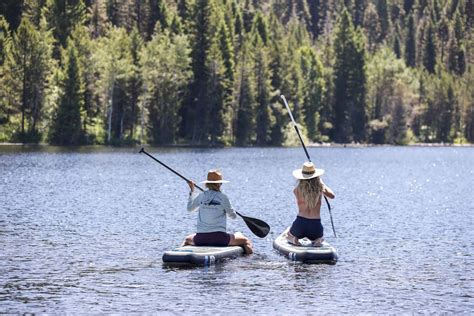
(211, 72)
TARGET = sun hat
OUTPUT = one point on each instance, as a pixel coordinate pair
(308, 171)
(214, 176)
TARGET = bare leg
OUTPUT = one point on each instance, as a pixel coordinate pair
(317, 242)
(188, 241)
(238, 239)
(292, 239)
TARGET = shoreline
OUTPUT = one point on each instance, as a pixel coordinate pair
(329, 145)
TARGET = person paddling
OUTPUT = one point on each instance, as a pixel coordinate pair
(213, 206)
(309, 192)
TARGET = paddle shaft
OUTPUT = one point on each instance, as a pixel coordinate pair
(258, 227)
(307, 156)
(173, 171)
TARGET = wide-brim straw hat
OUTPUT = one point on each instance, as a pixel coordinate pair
(214, 176)
(308, 171)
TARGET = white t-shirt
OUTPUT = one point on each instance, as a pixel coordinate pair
(213, 207)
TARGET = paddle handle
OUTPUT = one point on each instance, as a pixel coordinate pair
(296, 127)
(173, 171)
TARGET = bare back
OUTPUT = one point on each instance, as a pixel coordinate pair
(304, 210)
(311, 213)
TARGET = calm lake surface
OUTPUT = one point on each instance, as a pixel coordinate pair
(83, 231)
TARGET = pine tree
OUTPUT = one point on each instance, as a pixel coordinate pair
(5, 41)
(399, 123)
(219, 93)
(443, 34)
(349, 83)
(245, 124)
(313, 90)
(98, 18)
(408, 5)
(62, 16)
(410, 42)
(382, 12)
(263, 94)
(429, 50)
(372, 27)
(396, 47)
(469, 12)
(359, 12)
(27, 71)
(248, 15)
(67, 125)
(456, 57)
(83, 43)
(32, 10)
(446, 117)
(135, 84)
(458, 26)
(195, 113)
(260, 27)
(319, 11)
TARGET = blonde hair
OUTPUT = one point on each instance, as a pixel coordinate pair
(310, 190)
(214, 186)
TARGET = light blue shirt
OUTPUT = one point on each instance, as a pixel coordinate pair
(213, 207)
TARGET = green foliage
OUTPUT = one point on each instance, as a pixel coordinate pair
(113, 56)
(26, 73)
(67, 126)
(211, 72)
(164, 80)
(263, 94)
(410, 42)
(246, 99)
(372, 27)
(5, 42)
(313, 90)
(349, 83)
(62, 16)
(391, 95)
(429, 51)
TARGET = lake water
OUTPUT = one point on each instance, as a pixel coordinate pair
(84, 231)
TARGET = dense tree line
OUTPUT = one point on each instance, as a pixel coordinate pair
(210, 72)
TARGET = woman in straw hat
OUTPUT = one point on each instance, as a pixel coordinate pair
(309, 192)
(213, 206)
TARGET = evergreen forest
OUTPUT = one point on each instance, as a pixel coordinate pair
(211, 72)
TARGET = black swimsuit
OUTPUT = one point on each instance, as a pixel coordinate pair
(310, 228)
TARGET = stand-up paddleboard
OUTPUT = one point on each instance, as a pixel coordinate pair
(201, 256)
(305, 253)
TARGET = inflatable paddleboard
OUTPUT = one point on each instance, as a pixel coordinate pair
(201, 256)
(305, 253)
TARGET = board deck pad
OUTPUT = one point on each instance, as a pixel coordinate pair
(305, 253)
(202, 256)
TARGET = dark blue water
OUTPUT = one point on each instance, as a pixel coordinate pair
(84, 232)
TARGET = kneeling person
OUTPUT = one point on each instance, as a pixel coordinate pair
(213, 206)
(308, 193)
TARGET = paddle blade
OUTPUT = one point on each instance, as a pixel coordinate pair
(257, 226)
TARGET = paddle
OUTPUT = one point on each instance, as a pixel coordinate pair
(257, 226)
(307, 156)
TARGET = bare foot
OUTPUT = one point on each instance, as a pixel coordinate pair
(292, 240)
(248, 248)
(188, 241)
(317, 243)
